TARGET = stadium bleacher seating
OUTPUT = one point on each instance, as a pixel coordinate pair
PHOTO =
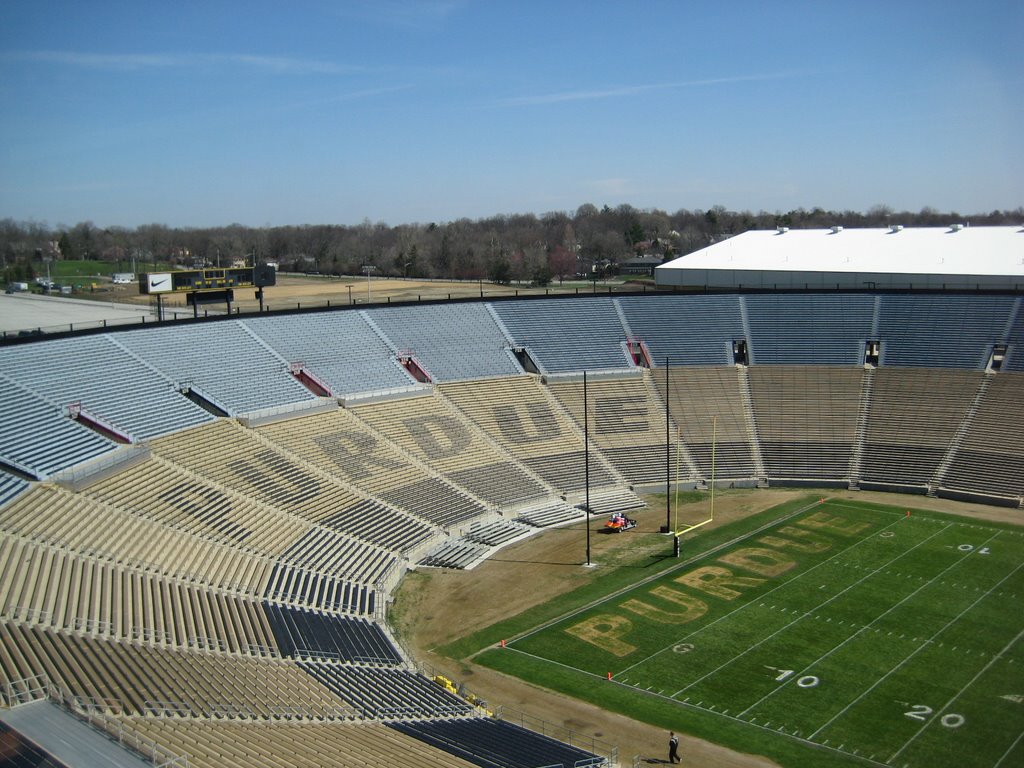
(107, 380)
(318, 635)
(942, 331)
(144, 679)
(223, 361)
(431, 431)
(1015, 352)
(520, 415)
(914, 415)
(455, 342)
(626, 423)
(496, 742)
(25, 416)
(809, 329)
(11, 486)
(686, 330)
(588, 338)
(989, 461)
(340, 444)
(706, 405)
(224, 593)
(237, 458)
(386, 693)
(341, 348)
(806, 419)
(240, 744)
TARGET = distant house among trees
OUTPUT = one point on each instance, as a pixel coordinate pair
(639, 265)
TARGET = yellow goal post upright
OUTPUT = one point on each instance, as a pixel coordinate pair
(677, 531)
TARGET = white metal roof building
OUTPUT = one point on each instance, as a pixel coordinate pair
(950, 258)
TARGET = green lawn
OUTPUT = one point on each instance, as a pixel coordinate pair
(817, 633)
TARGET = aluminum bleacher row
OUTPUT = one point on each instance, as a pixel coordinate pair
(234, 572)
(494, 742)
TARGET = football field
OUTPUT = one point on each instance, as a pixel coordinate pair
(840, 632)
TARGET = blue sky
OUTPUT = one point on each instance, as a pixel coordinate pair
(309, 111)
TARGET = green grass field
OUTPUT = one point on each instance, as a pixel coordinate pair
(816, 633)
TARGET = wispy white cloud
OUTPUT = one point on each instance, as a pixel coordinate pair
(366, 93)
(138, 61)
(633, 90)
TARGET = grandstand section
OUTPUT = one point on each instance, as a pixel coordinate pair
(943, 331)
(105, 380)
(387, 693)
(341, 348)
(431, 431)
(94, 595)
(316, 635)
(11, 486)
(238, 459)
(25, 417)
(1014, 360)
(141, 679)
(988, 462)
(809, 329)
(526, 422)
(707, 405)
(913, 417)
(227, 744)
(452, 343)
(339, 443)
(75, 523)
(220, 361)
(686, 330)
(495, 742)
(626, 421)
(224, 590)
(806, 420)
(589, 338)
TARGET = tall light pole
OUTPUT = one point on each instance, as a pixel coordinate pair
(586, 462)
(367, 269)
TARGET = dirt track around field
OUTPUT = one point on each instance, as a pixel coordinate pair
(434, 607)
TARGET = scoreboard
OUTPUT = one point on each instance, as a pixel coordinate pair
(192, 281)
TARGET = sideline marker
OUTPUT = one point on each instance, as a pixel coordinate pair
(908, 513)
(609, 675)
(502, 643)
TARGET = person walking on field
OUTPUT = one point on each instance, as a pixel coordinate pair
(673, 748)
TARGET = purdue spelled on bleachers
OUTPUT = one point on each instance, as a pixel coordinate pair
(221, 586)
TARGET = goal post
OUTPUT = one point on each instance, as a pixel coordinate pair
(686, 528)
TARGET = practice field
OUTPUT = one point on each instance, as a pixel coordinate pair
(829, 632)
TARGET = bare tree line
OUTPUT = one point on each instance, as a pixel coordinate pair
(500, 248)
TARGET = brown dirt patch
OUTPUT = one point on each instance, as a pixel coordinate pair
(292, 291)
(434, 607)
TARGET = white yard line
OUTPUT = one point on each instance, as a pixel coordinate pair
(821, 605)
(1009, 750)
(776, 731)
(958, 694)
(917, 650)
(746, 605)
